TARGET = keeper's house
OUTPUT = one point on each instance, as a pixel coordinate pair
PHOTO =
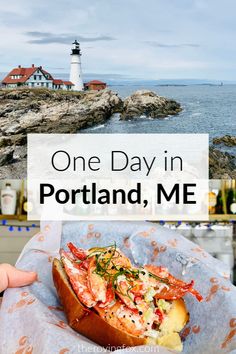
(95, 85)
(34, 77)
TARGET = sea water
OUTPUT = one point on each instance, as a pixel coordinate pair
(206, 109)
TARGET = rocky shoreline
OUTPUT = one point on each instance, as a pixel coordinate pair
(226, 140)
(222, 165)
(24, 111)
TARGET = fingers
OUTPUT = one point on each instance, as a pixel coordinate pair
(12, 277)
(3, 278)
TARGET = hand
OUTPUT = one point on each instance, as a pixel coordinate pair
(10, 277)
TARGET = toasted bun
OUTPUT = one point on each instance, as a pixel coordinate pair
(91, 325)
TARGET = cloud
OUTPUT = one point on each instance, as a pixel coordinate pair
(198, 34)
(165, 45)
(63, 38)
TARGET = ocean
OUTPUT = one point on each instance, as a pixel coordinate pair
(206, 109)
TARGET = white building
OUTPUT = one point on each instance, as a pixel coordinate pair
(75, 67)
(34, 77)
(38, 77)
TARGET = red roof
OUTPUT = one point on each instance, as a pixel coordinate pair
(57, 82)
(95, 82)
(68, 83)
(25, 74)
(61, 82)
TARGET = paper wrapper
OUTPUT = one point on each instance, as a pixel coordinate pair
(32, 320)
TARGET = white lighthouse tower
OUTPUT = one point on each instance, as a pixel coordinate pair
(75, 67)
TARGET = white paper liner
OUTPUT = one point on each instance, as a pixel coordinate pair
(31, 318)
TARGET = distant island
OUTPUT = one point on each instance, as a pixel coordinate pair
(122, 80)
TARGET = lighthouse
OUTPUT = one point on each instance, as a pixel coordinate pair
(75, 67)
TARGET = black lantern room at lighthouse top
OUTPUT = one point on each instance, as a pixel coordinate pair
(76, 49)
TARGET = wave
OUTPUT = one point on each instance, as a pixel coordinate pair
(96, 127)
(196, 114)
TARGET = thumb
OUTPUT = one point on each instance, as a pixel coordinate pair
(13, 277)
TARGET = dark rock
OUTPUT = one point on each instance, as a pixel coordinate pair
(227, 140)
(221, 164)
(6, 155)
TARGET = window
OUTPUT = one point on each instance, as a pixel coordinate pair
(40, 77)
(42, 84)
(35, 77)
(32, 84)
(47, 84)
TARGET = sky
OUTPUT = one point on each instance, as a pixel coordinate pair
(141, 39)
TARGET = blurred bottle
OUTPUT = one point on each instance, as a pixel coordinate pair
(231, 199)
(212, 202)
(234, 252)
(219, 203)
(8, 200)
(26, 205)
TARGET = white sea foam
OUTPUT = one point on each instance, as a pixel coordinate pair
(97, 127)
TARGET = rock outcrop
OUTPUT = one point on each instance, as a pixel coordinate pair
(43, 111)
(222, 165)
(24, 111)
(149, 104)
(227, 140)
